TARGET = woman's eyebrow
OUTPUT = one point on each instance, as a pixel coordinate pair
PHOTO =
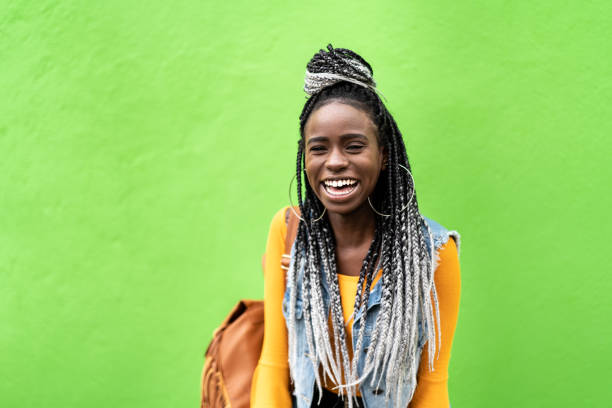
(343, 138)
(317, 139)
(353, 136)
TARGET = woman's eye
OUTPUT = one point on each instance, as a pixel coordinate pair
(355, 147)
(317, 149)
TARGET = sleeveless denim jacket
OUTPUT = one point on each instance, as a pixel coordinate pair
(302, 371)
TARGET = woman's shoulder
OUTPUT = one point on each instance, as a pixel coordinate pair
(279, 215)
(285, 213)
(278, 223)
(281, 218)
(441, 234)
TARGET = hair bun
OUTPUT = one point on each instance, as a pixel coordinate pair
(335, 65)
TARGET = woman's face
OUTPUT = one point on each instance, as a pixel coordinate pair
(343, 159)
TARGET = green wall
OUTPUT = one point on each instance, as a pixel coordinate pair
(146, 145)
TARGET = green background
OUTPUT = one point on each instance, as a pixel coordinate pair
(146, 145)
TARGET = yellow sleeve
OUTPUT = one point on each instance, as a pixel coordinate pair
(432, 386)
(270, 385)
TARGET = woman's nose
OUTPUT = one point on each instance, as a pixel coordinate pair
(336, 160)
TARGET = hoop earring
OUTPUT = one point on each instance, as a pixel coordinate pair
(320, 216)
(294, 212)
(407, 204)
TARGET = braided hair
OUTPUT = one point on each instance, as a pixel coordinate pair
(402, 239)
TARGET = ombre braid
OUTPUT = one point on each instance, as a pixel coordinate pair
(402, 245)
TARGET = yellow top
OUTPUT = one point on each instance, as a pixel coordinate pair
(270, 388)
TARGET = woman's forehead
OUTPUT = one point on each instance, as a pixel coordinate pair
(337, 118)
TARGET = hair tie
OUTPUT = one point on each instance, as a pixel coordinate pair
(316, 81)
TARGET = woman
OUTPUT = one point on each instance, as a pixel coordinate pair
(362, 319)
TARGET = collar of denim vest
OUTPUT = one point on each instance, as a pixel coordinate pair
(439, 236)
(374, 299)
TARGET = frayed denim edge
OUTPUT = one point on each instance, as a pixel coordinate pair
(457, 239)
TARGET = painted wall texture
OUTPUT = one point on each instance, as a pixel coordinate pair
(146, 145)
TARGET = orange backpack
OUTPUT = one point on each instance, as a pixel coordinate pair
(233, 352)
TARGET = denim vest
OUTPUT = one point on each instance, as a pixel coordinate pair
(302, 372)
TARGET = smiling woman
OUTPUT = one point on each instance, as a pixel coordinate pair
(343, 157)
(371, 293)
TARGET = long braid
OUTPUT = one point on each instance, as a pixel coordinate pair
(361, 300)
(402, 246)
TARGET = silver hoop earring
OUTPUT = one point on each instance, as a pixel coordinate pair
(294, 212)
(407, 204)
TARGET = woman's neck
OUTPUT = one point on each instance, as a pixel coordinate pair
(354, 229)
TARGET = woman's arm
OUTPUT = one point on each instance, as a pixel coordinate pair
(432, 387)
(270, 387)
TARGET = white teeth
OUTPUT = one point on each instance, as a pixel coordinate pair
(332, 185)
(340, 193)
(339, 183)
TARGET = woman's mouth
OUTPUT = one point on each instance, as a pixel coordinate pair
(339, 188)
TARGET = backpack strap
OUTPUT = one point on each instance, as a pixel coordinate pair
(292, 225)
(292, 222)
